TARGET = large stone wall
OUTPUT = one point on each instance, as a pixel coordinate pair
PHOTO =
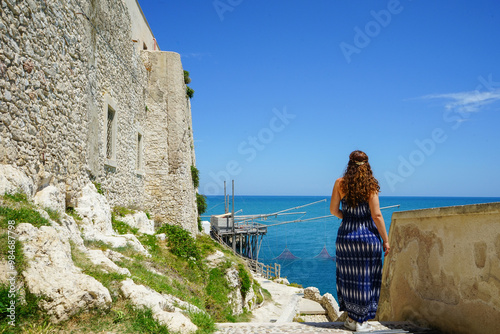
(63, 65)
(444, 269)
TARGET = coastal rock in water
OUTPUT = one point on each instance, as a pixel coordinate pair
(163, 310)
(50, 197)
(51, 273)
(94, 210)
(140, 221)
(13, 180)
(97, 257)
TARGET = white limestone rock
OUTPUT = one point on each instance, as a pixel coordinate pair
(114, 241)
(163, 309)
(70, 230)
(327, 301)
(94, 210)
(50, 197)
(115, 256)
(13, 180)
(213, 260)
(51, 273)
(281, 281)
(331, 306)
(235, 297)
(140, 221)
(97, 257)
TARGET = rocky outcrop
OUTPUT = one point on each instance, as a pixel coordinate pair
(239, 302)
(97, 257)
(140, 221)
(162, 307)
(96, 216)
(50, 197)
(327, 301)
(94, 210)
(13, 180)
(51, 273)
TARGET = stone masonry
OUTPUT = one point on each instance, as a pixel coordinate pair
(80, 101)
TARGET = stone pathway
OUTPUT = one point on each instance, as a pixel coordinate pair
(316, 327)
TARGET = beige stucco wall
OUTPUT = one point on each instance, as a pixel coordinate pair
(141, 32)
(444, 269)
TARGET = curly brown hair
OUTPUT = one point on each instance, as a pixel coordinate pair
(358, 182)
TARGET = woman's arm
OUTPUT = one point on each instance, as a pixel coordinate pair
(335, 201)
(379, 221)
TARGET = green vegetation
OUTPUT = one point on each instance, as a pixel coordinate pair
(98, 187)
(180, 242)
(189, 92)
(245, 280)
(15, 207)
(201, 201)
(122, 211)
(195, 175)
(16, 197)
(53, 214)
(175, 267)
(187, 79)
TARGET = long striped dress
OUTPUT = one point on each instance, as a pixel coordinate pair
(359, 263)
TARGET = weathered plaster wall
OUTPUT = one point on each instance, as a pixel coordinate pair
(444, 269)
(141, 32)
(169, 186)
(62, 65)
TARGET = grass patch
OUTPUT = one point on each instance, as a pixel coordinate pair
(23, 214)
(296, 285)
(180, 242)
(122, 211)
(26, 309)
(72, 212)
(217, 291)
(143, 322)
(204, 322)
(121, 227)
(16, 197)
(245, 280)
(53, 214)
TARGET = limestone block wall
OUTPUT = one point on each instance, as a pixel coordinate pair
(444, 269)
(169, 186)
(64, 66)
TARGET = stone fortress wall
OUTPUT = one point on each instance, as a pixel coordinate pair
(443, 270)
(81, 100)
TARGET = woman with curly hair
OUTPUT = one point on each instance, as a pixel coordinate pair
(358, 245)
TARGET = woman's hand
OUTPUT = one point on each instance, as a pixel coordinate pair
(387, 248)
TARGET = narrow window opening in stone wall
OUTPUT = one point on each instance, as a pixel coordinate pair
(110, 128)
(139, 152)
(144, 46)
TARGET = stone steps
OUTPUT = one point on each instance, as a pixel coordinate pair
(317, 327)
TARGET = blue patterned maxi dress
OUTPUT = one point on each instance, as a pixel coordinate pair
(359, 263)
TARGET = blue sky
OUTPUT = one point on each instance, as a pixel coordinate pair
(285, 90)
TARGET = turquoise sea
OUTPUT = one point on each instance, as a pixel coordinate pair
(306, 240)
